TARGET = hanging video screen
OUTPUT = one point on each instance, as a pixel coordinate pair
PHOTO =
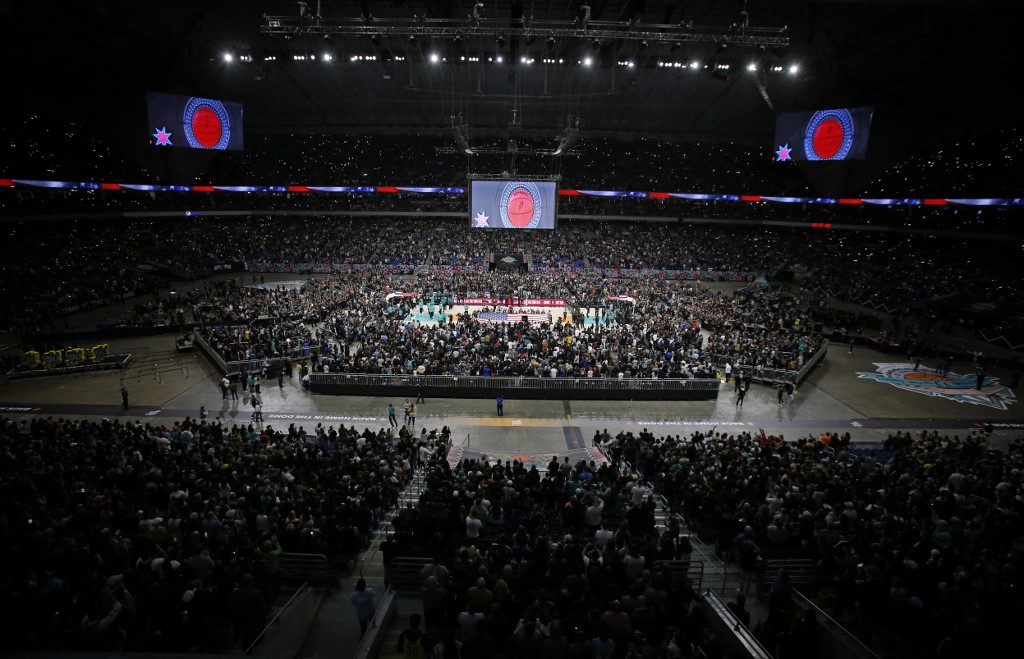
(193, 122)
(840, 134)
(512, 204)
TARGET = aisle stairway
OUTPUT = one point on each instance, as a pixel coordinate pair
(335, 632)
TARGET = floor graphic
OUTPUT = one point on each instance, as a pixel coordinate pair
(948, 385)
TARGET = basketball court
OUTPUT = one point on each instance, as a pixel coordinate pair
(865, 392)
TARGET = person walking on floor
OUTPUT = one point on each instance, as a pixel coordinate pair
(233, 387)
(362, 600)
(124, 397)
(501, 405)
(224, 387)
(741, 395)
(412, 415)
(391, 416)
(419, 396)
(781, 391)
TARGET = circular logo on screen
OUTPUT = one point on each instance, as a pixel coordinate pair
(520, 206)
(207, 124)
(829, 135)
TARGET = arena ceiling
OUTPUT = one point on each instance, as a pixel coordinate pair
(927, 66)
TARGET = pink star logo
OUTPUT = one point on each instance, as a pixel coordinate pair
(480, 221)
(163, 138)
(783, 153)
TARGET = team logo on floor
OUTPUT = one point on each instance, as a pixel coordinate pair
(951, 386)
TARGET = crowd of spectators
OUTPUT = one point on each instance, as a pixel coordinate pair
(919, 538)
(93, 263)
(132, 536)
(351, 325)
(553, 562)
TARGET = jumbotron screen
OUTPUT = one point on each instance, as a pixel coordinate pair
(839, 134)
(193, 122)
(512, 204)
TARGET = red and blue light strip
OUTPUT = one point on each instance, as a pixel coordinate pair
(386, 189)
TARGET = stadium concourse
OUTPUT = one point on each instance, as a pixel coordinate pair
(857, 390)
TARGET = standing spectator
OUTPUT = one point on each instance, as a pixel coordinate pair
(249, 382)
(233, 386)
(739, 609)
(501, 405)
(412, 642)
(412, 415)
(790, 390)
(851, 345)
(419, 396)
(391, 416)
(435, 598)
(256, 383)
(202, 412)
(728, 371)
(248, 610)
(362, 600)
(405, 409)
(473, 525)
(741, 395)
(224, 387)
(124, 396)
(781, 391)
(748, 555)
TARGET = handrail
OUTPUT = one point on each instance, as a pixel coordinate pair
(750, 643)
(301, 589)
(499, 382)
(834, 626)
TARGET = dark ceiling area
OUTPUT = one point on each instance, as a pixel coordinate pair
(930, 68)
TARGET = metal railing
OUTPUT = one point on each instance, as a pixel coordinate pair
(854, 647)
(776, 375)
(512, 383)
(751, 646)
(272, 628)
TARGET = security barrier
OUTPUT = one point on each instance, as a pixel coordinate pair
(448, 386)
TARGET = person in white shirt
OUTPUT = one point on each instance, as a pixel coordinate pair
(473, 525)
(603, 535)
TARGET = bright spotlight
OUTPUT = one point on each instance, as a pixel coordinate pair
(434, 57)
(228, 57)
(587, 61)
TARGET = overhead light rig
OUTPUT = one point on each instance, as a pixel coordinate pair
(442, 28)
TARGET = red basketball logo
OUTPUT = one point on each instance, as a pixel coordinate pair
(206, 127)
(520, 208)
(828, 138)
